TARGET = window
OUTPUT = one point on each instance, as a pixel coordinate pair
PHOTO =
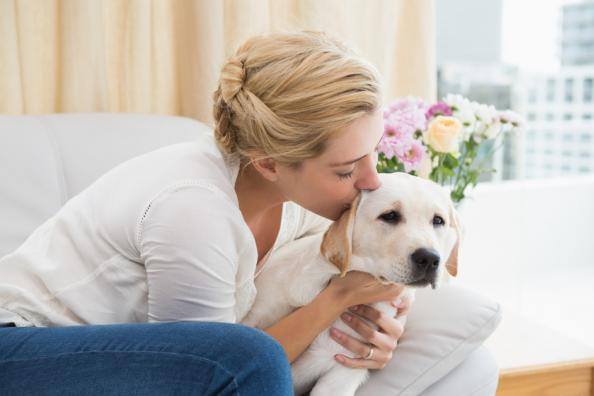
(588, 89)
(569, 89)
(532, 95)
(567, 116)
(550, 90)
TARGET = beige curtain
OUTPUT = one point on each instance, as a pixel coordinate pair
(164, 56)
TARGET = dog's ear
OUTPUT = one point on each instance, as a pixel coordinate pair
(337, 243)
(452, 263)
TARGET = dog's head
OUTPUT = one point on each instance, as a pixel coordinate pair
(406, 231)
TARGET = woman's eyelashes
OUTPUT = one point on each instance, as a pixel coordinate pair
(349, 174)
(344, 176)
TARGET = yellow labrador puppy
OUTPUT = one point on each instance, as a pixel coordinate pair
(405, 232)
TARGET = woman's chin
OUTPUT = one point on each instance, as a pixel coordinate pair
(336, 214)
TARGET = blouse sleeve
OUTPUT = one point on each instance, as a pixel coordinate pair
(190, 241)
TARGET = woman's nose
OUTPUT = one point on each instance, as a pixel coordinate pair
(368, 178)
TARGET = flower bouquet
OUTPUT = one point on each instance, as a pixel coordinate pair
(443, 141)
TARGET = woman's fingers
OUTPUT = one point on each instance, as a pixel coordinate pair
(403, 306)
(385, 341)
(386, 323)
(378, 360)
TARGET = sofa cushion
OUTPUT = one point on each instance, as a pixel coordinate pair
(444, 327)
(45, 160)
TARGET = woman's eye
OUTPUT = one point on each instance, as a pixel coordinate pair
(438, 220)
(344, 176)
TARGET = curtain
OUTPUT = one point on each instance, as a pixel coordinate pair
(164, 56)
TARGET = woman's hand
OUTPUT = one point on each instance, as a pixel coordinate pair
(383, 340)
(358, 287)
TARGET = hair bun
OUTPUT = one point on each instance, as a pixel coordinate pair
(232, 78)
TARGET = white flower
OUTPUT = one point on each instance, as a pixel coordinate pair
(486, 113)
(512, 118)
(487, 125)
(493, 130)
(463, 110)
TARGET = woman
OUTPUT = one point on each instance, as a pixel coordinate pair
(175, 238)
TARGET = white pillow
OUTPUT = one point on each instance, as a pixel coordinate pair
(444, 326)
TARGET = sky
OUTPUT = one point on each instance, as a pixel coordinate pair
(530, 30)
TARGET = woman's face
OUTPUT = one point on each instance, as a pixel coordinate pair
(327, 184)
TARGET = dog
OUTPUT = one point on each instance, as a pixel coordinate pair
(405, 232)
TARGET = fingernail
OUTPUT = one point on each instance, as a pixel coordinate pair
(339, 358)
(356, 307)
(346, 317)
(335, 332)
(398, 302)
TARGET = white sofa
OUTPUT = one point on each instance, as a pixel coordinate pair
(45, 160)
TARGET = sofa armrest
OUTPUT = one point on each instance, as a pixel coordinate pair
(477, 375)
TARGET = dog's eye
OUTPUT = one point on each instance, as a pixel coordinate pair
(391, 217)
(438, 220)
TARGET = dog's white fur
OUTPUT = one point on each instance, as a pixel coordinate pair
(360, 240)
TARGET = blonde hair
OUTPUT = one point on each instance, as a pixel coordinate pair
(282, 96)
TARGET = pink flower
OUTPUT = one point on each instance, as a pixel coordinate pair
(402, 119)
(406, 115)
(393, 129)
(439, 108)
(387, 147)
(412, 156)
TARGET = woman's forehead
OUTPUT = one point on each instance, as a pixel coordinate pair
(348, 151)
(357, 140)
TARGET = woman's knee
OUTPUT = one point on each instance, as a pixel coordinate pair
(241, 343)
(256, 360)
(262, 346)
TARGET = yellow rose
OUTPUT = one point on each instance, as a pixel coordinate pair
(442, 134)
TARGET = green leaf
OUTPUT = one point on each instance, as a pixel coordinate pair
(450, 161)
(447, 171)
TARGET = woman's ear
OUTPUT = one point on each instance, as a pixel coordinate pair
(452, 263)
(337, 245)
(267, 167)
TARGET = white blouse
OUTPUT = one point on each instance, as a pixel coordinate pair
(158, 238)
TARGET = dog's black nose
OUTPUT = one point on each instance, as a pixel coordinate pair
(425, 259)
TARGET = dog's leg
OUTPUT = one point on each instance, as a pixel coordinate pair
(308, 367)
(340, 380)
(306, 283)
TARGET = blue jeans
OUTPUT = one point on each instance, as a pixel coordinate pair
(181, 358)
